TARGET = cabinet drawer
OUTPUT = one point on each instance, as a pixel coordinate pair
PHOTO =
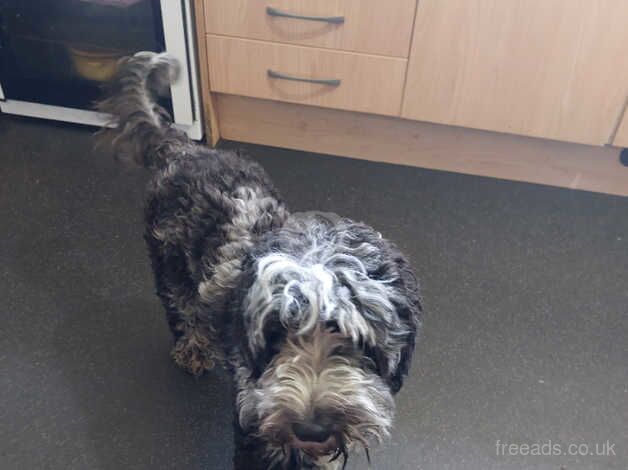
(365, 83)
(370, 26)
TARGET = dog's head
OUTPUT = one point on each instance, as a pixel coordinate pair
(329, 314)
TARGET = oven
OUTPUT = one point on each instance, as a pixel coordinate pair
(57, 55)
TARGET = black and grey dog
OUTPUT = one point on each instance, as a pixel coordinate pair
(315, 315)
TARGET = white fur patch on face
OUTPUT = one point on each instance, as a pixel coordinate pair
(323, 285)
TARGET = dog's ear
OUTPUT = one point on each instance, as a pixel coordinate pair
(394, 347)
(255, 356)
(410, 314)
(236, 323)
(274, 335)
(408, 307)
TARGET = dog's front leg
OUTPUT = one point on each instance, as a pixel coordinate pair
(195, 350)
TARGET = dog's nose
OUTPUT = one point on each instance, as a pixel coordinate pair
(311, 432)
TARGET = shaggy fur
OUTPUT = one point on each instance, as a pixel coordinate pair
(315, 315)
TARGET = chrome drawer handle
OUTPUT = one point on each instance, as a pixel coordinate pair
(282, 76)
(270, 11)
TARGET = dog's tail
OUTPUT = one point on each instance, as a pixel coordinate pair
(143, 133)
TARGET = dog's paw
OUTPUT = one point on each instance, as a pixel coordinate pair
(192, 354)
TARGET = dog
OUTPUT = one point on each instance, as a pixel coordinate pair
(314, 315)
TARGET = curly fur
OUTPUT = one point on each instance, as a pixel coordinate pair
(315, 315)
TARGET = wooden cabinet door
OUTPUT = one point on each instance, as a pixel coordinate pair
(547, 68)
(621, 138)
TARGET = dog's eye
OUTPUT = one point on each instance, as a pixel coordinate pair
(273, 342)
(332, 325)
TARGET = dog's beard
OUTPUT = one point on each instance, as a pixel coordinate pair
(318, 375)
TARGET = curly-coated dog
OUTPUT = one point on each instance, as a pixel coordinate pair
(315, 315)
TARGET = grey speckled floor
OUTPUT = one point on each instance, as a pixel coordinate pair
(525, 340)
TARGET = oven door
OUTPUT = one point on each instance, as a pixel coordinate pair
(56, 55)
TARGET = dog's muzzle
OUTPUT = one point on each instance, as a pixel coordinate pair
(313, 438)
